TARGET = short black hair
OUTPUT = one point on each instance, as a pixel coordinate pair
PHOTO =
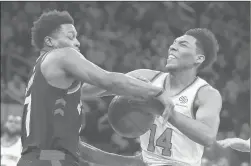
(46, 24)
(207, 43)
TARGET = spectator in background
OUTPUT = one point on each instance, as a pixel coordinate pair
(11, 141)
(222, 162)
(2, 88)
(244, 164)
(16, 89)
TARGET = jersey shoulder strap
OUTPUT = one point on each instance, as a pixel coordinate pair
(156, 76)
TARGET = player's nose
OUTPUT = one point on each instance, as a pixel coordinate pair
(77, 43)
(173, 47)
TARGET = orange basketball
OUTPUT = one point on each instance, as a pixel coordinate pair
(131, 118)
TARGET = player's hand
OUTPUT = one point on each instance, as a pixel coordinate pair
(226, 142)
(142, 79)
(169, 106)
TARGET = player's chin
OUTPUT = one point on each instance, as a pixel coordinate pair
(170, 67)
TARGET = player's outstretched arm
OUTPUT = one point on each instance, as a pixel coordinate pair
(203, 129)
(77, 66)
(94, 155)
(94, 91)
(235, 143)
(90, 91)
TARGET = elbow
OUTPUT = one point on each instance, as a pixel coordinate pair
(209, 141)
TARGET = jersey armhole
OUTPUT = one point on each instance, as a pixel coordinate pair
(155, 77)
(195, 108)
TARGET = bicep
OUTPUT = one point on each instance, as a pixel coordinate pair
(75, 64)
(210, 103)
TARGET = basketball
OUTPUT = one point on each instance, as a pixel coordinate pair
(131, 118)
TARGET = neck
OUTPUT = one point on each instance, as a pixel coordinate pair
(180, 79)
(45, 49)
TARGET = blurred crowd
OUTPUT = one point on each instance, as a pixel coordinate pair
(123, 36)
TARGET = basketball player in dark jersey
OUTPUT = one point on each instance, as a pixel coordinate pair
(52, 108)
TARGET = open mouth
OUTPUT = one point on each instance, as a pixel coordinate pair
(171, 56)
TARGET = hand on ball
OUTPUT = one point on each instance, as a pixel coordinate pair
(169, 106)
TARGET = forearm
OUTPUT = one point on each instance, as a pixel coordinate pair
(97, 156)
(90, 91)
(94, 91)
(193, 129)
(128, 86)
(120, 84)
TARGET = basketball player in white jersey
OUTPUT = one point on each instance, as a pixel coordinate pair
(194, 120)
(11, 141)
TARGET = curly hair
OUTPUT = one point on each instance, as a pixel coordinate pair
(206, 43)
(46, 24)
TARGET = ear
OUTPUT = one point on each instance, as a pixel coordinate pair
(200, 59)
(48, 41)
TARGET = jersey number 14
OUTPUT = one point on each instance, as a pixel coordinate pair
(164, 141)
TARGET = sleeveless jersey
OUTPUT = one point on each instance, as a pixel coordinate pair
(10, 155)
(163, 145)
(51, 116)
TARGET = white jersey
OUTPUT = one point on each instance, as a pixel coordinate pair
(10, 155)
(163, 145)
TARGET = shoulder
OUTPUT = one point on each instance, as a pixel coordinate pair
(53, 63)
(58, 57)
(60, 54)
(146, 73)
(208, 94)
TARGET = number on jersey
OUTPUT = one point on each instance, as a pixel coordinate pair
(163, 141)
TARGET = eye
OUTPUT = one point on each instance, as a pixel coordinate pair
(71, 37)
(183, 45)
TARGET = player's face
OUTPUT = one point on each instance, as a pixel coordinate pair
(13, 124)
(66, 36)
(182, 54)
